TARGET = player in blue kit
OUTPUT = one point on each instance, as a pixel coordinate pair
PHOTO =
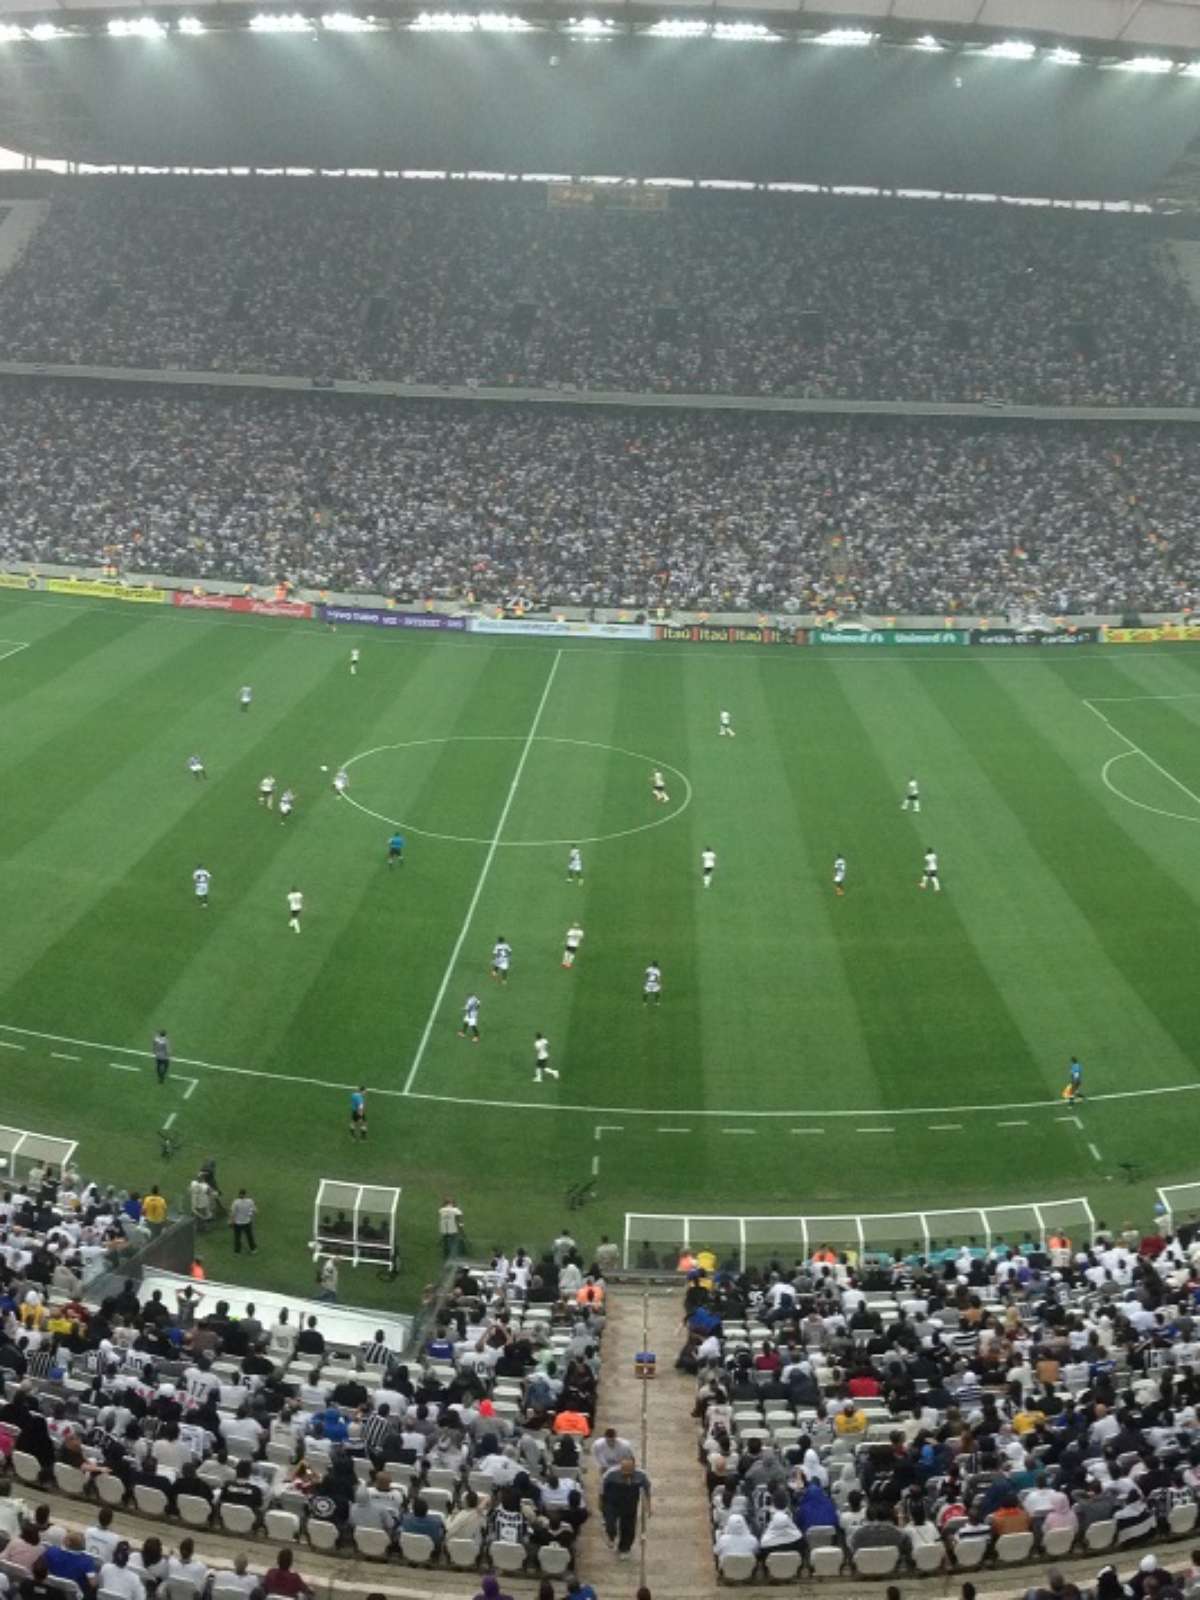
(396, 849)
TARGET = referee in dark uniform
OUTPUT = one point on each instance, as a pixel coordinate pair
(162, 1054)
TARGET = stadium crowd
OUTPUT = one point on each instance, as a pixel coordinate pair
(449, 283)
(185, 1411)
(688, 510)
(964, 1404)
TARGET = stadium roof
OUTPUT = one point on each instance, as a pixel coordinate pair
(1122, 24)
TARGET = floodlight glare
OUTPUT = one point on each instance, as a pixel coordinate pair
(10, 33)
(290, 22)
(677, 28)
(1147, 64)
(847, 36)
(738, 31)
(927, 42)
(1064, 57)
(443, 22)
(136, 28)
(347, 22)
(45, 30)
(1011, 50)
(191, 25)
(589, 27)
(1192, 70)
(501, 22)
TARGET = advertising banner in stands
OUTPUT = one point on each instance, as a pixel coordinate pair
(1166, 633)
(427, 621)
(734, 633)
(104, 591)
(873, 636)
(1019, 636)
(562, 630)
(240, 602)
(18, 580)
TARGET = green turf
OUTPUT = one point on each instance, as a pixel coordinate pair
(1069, 921)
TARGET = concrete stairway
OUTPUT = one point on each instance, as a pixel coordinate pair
(674, 1553)
(19, 221)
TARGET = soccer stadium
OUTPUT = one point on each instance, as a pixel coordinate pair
(599, 708)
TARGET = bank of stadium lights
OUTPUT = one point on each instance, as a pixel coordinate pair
(1062, 57)
(929, 43)
(678, 28)
(347, 22)
(1011, 50)
(1146, 64)
(136, 28)
(848, 37)
(192, 26)
(469, 22)
(740, 32)
(590, 27)
(285, 22)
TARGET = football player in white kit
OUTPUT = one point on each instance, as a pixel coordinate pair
(245, 695)
(930, 875)
(725, 726)
(501, 958)
(470, 1021)
(541, 1058)
(575, 865)
(200, 881)
(266, 792)
(571, 946)
(341, 782)
(912, 797)
(652, 984)
(708, 865)
(355, 655)
(196, 767)
(286, 801)
(839, 875)
(295, 902)
(659, 789)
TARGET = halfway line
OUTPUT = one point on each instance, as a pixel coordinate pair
(483, 877)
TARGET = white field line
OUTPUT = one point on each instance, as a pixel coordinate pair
(1137, 749)
(5, 1045)
(423, 1043)
(123, 1066)
(945, 1127)
(626, 1111)
(606, 1127)
(12, 647)
(61, 1055)
(166, 1127)
(191, 1086)
(1096, 1156)
(595, 1166)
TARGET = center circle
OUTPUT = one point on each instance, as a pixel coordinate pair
(671, 812)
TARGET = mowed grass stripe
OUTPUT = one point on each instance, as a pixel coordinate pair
(1054, 974)
(924, 997)
(1142, 918)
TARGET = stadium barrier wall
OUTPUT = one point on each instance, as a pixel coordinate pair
(342, 1324)
(373, 616)
(197, 600)
(1163, 633)
(760, 1238)
(727, 633)
(562, 628)
(890, 636)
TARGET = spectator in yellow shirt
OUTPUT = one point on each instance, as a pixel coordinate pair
(849, 1421)
(154, 1209)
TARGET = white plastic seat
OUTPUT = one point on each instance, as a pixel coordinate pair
(1100, 1535)
(823, 1534)
(1014, 1547)
(462, 1553)
(194, 1509)
(506, 1555)
(109, 1488)
(1057, 1542)
(150, 1502)
(782, 1565)
(418, 1549)
(826, 1560)
(374, 1543)
(443, 1478)
(28, 1468)
(322, 1535)
(876, 1560)
(237, 1519)
(969, 1553)
(69, 1479)
(283, 1527)
(737, 1568)
(929, 1557)
(1182, 1519)
(438, 1500)
(553, 1559)
(180, 1589)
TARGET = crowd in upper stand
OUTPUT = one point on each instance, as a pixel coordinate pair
(686, 510)
(485, 284)
(938, 1403)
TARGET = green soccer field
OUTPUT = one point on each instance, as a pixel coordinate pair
(886, 1051)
